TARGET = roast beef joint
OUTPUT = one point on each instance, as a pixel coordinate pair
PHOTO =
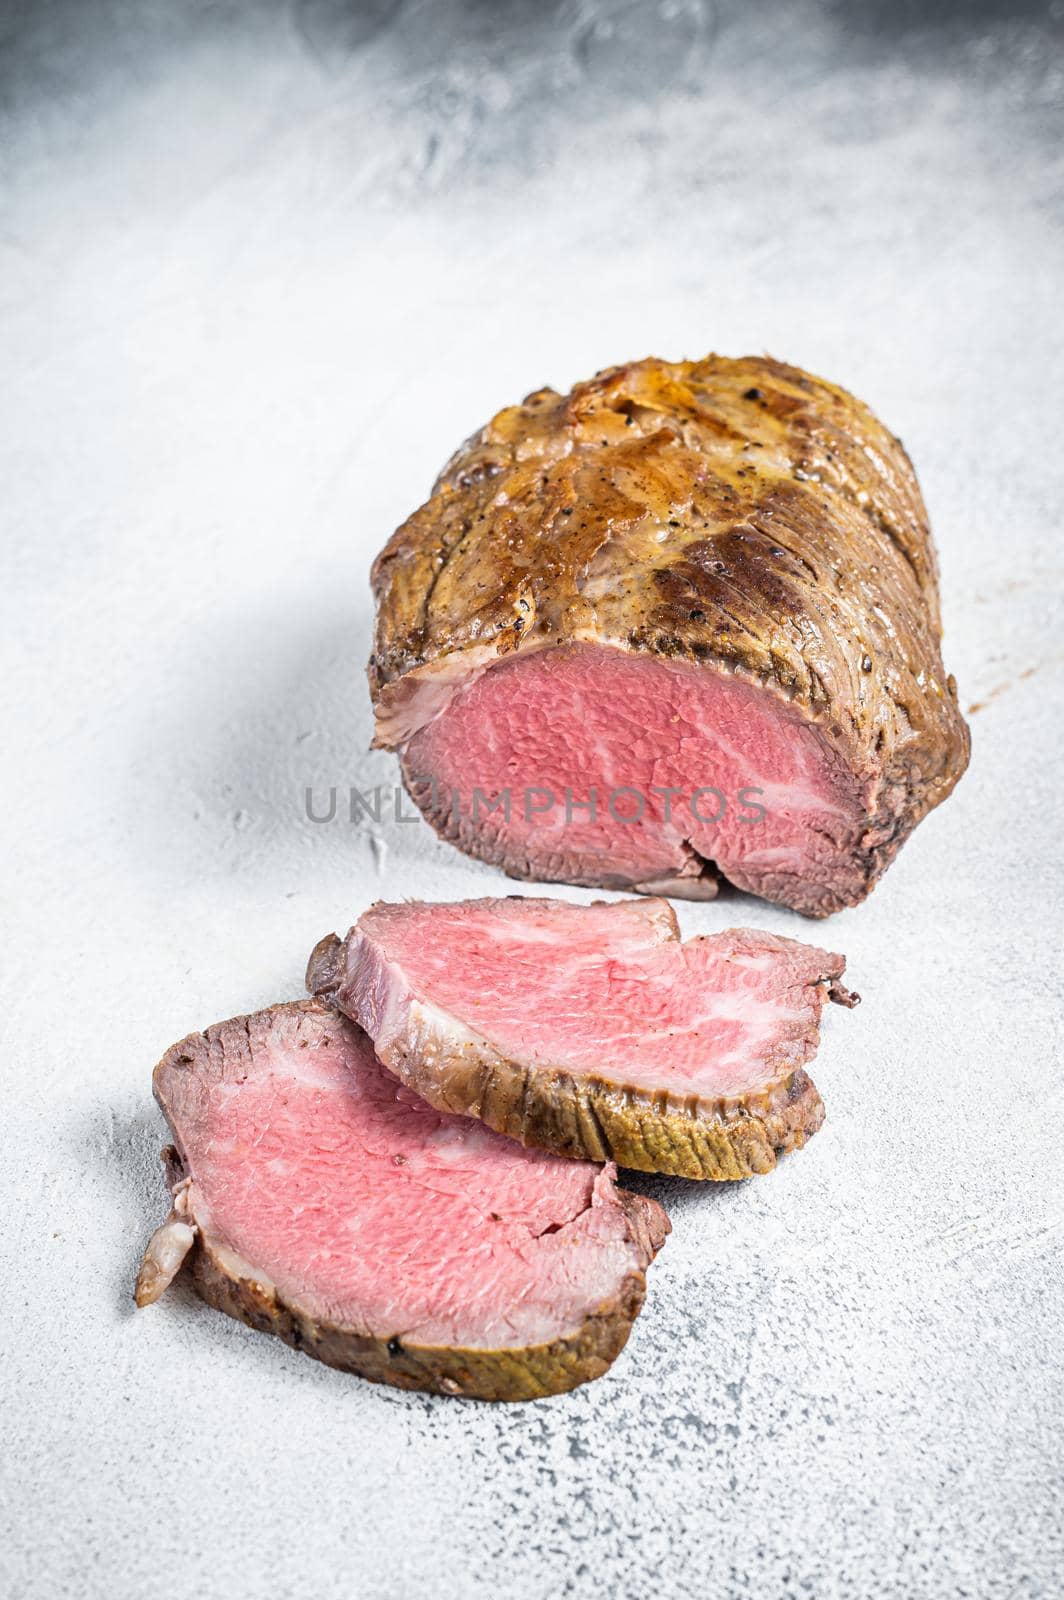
(677, 627)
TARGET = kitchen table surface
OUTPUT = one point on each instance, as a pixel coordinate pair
(262, 268)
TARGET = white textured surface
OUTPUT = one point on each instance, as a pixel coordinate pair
(261, 269)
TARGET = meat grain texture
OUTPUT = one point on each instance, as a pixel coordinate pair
(592, 1031)
(708, 583)
(317, 1199)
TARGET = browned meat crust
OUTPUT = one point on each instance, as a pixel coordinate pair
(736, 513)
(591, 1119)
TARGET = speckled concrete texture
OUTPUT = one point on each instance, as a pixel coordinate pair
(262, 267)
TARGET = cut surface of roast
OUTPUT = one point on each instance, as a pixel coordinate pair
(322, 1201)
(593, 1031)
(678, 626)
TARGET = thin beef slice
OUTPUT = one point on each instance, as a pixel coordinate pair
(321, 1201)
(592, 1031)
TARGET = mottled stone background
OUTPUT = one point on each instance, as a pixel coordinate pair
(261, 268)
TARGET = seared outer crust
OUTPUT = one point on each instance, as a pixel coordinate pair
(738, 514)
(507, 1374)
(517, 1374)
(591, 1119)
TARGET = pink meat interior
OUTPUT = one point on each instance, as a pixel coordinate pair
(603, 989)
(581, 719)
(375, 1212)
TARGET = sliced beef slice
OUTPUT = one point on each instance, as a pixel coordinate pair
(678, 578)
(323, 1202)
(593, 1031)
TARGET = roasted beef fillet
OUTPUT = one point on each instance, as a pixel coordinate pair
(677, 626)
(592, 1031)
(321, 1201)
